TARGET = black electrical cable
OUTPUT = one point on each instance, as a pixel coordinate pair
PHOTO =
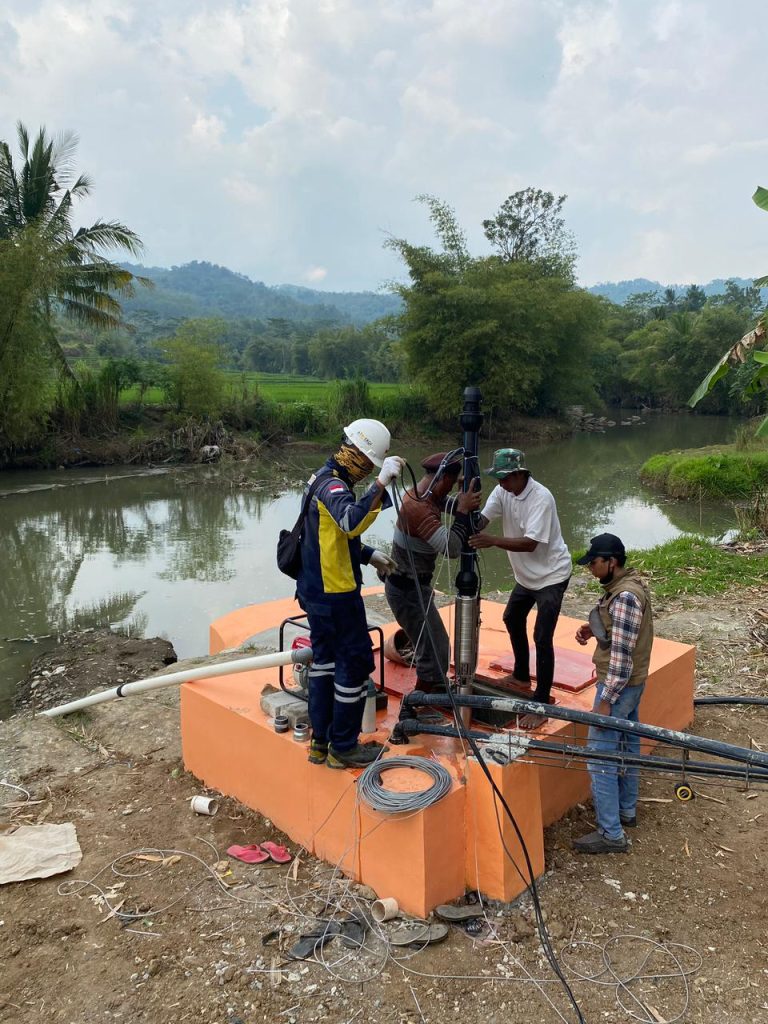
(571, 752)
(447, 459)
(530, 881)
(760, 702)
(465, 734)
(669, 737)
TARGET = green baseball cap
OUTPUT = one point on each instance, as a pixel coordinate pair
(506, 461)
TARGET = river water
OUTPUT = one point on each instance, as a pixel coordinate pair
(164, 553)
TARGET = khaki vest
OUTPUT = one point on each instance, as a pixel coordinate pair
(626, 580)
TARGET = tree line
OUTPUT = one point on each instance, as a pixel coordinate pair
(513, 320)
(516, 321)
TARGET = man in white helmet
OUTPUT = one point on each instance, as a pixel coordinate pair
(328, 589)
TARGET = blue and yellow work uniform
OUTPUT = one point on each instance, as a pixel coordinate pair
(328, 589)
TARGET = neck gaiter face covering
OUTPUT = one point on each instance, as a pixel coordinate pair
(357, 465)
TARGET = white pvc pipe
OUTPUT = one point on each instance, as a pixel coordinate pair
(298, 656)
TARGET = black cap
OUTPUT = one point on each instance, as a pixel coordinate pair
(432, 463)
(606, 545)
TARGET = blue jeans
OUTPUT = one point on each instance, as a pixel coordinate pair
(614, 789)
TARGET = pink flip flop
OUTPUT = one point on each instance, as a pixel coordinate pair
(252, 854)
(279, 854)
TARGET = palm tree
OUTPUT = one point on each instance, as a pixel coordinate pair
(48, 263)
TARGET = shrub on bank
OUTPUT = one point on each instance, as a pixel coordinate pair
(723, 472)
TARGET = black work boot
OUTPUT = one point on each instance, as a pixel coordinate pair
(360, 756)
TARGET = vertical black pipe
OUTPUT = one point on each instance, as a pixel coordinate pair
(467, 605)
(471, 420)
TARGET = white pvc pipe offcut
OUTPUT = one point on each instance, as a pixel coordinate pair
(299, 656)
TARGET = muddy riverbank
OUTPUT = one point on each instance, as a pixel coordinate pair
(158, 441)
(196, 938)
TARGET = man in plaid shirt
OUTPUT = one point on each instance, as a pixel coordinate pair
(622, 625)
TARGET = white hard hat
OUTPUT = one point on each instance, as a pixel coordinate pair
(371, 437)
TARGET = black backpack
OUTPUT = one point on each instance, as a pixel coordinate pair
(289, 541)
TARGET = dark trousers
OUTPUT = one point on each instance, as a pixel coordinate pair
(342, 661)
(548, 601)
(429, 639)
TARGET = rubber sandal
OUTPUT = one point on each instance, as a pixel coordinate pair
(447, 912)
(312, 941)
(417, 933)
(279, 854)
(353, 930)
(252, 854)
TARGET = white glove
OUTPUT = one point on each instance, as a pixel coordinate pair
(391, 467)
(382, 563)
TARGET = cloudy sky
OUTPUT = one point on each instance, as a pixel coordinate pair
(287, 138)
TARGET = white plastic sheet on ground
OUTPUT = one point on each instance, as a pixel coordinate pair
(38, 851)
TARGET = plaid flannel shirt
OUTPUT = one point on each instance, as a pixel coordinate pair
(626, 616)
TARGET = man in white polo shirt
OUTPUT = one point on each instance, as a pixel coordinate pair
(541, 564)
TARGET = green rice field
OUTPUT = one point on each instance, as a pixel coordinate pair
(280, 387)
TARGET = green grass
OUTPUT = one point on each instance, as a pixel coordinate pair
(717, 472)
(693, 565)
(279, 387)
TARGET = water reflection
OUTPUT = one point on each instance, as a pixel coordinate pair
(120, 553)
(168, 553)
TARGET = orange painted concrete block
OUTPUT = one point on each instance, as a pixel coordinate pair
(227, 743)
(422, 859)
(417, 858)
(335, 818)
(235, 627)
(488, 867)
(563, 788)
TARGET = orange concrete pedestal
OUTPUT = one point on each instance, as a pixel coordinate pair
(431, 856)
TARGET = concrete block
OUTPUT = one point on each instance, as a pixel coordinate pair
(280, 703)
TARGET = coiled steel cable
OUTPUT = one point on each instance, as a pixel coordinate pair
(371, 787)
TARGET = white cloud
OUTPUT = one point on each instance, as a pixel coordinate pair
(207, 130)
(588, 36)
(298, 131)
(316, 274)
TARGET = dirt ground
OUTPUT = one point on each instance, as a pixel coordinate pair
(183, 935)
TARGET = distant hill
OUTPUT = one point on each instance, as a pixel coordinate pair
(620, 291)
(360, 307)
(207, 290)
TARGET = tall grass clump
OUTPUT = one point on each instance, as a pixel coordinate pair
(88, 402)
(752, 515)
(305, 418)
(348, 400)
(403, 409)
